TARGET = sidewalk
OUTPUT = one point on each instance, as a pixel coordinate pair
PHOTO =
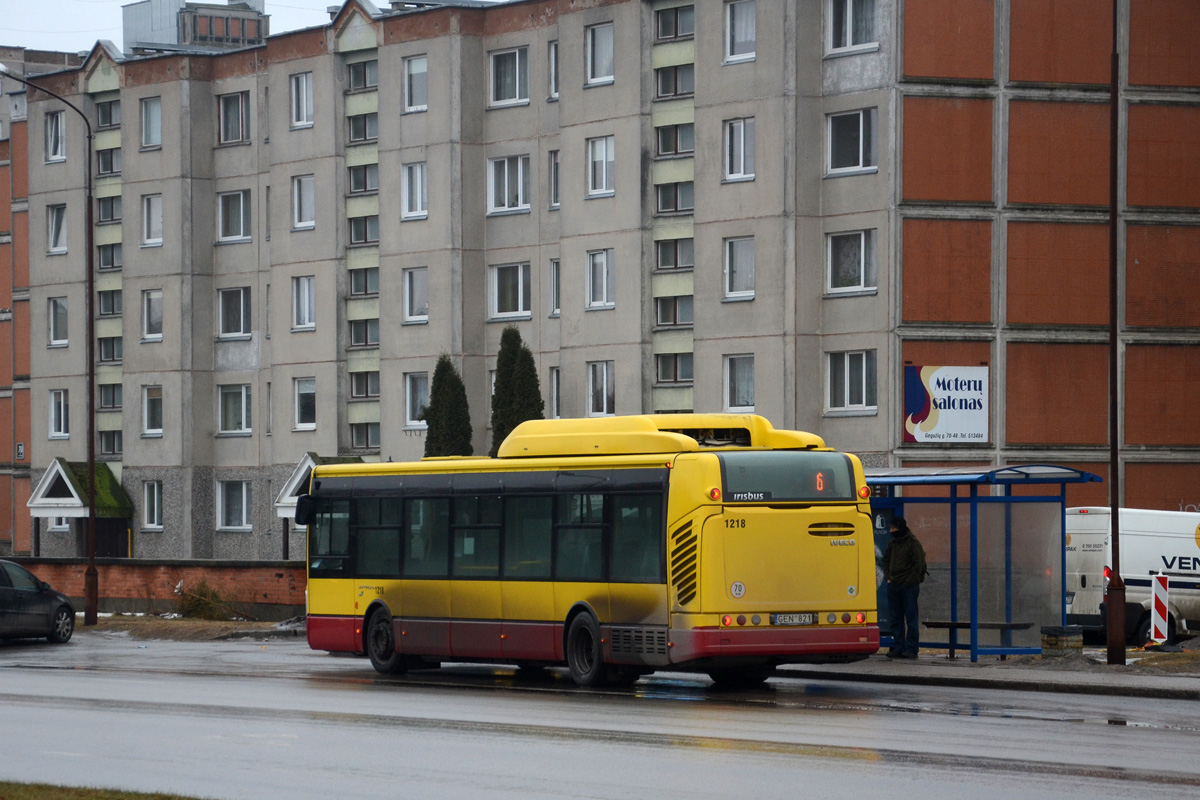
(1085, 674)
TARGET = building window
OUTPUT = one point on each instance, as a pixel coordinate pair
(852, 380)
(601, 389)
(233, 505)
(152, 504)
(109, 302)
(364, 178)
(304, 202)
(234, 110)
(415, 193)
(555, 288)
(509, 179)
(233, 308)
(152, 315)
(364, 74)
(233, 216)
(56, 229)
(416, 83)
(851, 24)
(304, 303)
(152, 410)
(60, 413)
(108, 114)
(364, 230)
(57, 319)
(739, 149)
(674, 367)
(600, 53)
(109, 256)
(510, 290)
(676, 140)
(510, 76)
(675, 23)
(739, 267)
(555, 393)
(673, 311)
(306, 403)
(677, 81)
(235, 408)
(851, 259)
(364, 127)
(364, 435)
(416, 295)
(108, 209)
(302, 100)
(601, 279)
(676, 197)
(364, 281)
(739, 30)
(675, 254)
(852, 141)
(364, 332)
(416, 398)
(111, 349)
(552, 68)
(60, 523)
(364, 384)
(152, 219)
(739, 383)
(111, 443)
(110, 396)
(56, 138)
(552, 178)
(108, 162)
(152, 122)
(602, 154)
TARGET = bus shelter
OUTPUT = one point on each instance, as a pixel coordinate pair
(995, 545)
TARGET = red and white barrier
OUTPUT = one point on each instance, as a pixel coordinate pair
(1158, 609)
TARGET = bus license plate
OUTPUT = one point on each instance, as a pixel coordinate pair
(792, 619)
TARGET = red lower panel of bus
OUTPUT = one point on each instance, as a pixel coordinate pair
(336, 634)
(518, 641)
(691, 644)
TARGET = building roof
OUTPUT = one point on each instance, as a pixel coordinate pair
(1009, 474)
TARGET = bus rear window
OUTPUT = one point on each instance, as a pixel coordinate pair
(786, 476)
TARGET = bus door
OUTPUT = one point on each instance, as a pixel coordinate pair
(332, 608)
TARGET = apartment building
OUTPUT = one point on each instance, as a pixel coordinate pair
(883, 221)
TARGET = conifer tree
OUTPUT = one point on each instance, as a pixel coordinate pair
(447, 415)
(517, 396)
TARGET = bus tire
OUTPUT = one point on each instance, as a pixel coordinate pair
(381, 645)
(585, 654)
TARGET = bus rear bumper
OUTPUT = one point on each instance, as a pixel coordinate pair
(778, 644)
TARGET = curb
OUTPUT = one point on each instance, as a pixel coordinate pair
(280, 633)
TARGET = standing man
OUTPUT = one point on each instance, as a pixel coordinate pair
(904, 570)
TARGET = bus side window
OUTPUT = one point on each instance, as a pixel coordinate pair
(579, 555)
(427, 538)
(637, 540)
(528, 522)
(329, 540)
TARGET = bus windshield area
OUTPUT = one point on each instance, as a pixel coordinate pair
(786, 476)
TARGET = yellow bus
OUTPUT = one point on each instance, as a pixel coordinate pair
(615, 545)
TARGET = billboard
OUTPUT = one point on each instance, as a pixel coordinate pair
(946, 404)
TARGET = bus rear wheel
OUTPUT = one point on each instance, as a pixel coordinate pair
(585, 655)
(381, 645)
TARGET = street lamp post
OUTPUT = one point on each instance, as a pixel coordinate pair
(91, 579)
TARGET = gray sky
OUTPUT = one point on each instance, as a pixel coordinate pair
(74, 25)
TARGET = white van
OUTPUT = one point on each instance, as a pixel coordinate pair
(1151, 542)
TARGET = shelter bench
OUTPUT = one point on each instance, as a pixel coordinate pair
(957, 625)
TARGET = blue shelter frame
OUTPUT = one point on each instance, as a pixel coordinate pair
(887, 502)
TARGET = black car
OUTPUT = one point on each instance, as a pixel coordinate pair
(29, 608)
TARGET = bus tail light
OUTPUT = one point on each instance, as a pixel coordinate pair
(726, 620)
(860, 618)
(846, 616)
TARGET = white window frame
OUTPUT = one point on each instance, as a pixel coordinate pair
(301, 87)
(555, 287)
(56, 136)
(240, 327)
(152, 395)
(245, 523)
(735, 366)
(151, 114)
(303, 386)
(416, 389)
(152, 220)
(519, 163)
(304, 303)
(867, 270)
(56, 321)
(416, 285)
(240, 392)
(304, 202)
(844, 11)
(524, 291)
(732, 8)
(233, 224)
(839, 370)
(600, 66)
(739, 149)
(602, 166)
(56, 228)
(409, 77)
(152, 518)
(236, 104)
(520, 87)
(735, 251)
(414, 192)
(60, 523)
(150, 298)
(867, 157)
(601, 279)
(552, 68)
(601, 387)
(554, 170)
(60, 414)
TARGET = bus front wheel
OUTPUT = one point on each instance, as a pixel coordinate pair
(585, 655)
(381, 645)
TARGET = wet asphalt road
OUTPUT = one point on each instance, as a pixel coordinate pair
(273, 719)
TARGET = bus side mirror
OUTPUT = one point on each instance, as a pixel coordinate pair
(305, 510)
